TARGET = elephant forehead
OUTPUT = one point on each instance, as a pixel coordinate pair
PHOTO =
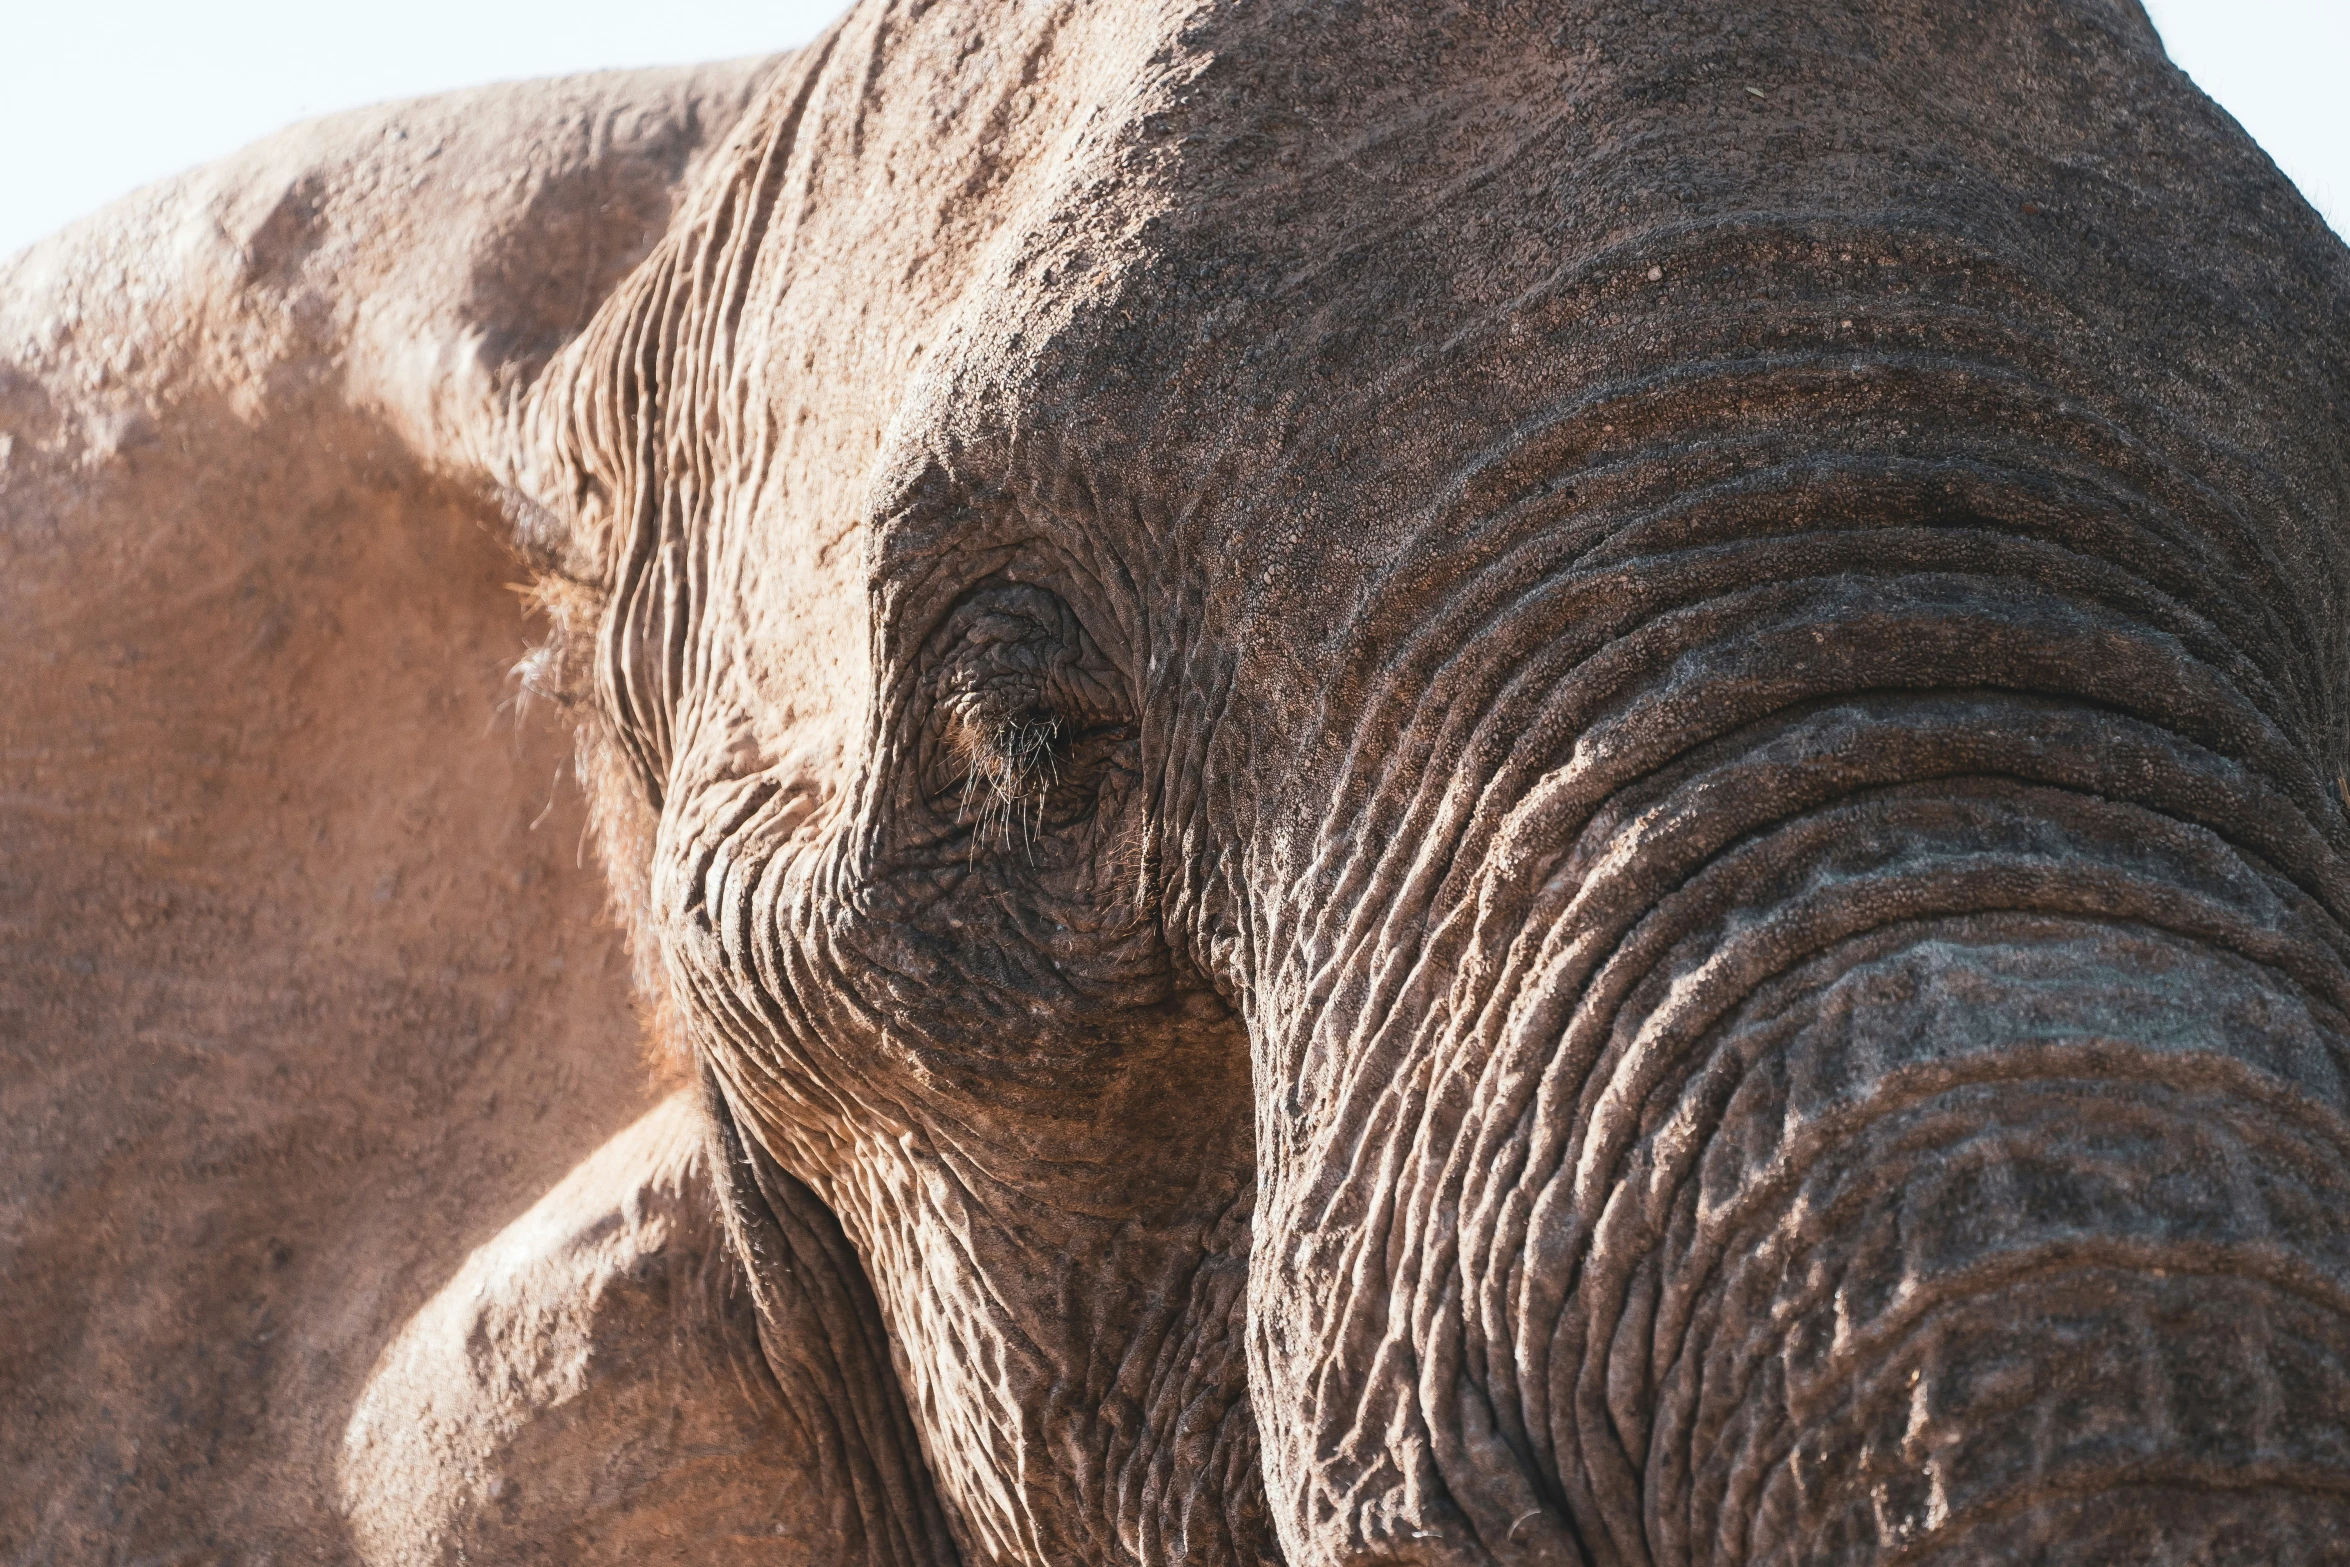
(1280, 261)
(1341, 263)
(1267, 283)
(1205, 267)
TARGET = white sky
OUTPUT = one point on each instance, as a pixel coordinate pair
(96, 102)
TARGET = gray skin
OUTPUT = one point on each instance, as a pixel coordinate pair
(1489, 785)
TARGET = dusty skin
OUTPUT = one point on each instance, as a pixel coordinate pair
(1126, 783)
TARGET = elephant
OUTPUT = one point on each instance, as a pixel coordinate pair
(1350, 782)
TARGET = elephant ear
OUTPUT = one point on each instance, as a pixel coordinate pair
(313, 1019)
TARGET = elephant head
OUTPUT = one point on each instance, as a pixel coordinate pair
(1484, 784)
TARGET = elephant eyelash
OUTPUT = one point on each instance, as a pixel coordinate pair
(1010, 766)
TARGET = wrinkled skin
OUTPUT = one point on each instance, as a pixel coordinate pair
(1444, 785)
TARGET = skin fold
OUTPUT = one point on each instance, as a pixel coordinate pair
(1410, 783)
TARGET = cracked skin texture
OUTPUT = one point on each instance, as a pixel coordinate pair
(1410, 784)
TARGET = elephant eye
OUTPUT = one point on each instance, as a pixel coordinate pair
(1026, 722)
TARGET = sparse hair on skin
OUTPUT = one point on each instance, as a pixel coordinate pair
(554, 668)
(557, 669)
(624, 827)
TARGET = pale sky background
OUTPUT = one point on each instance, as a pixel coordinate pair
(101, 96)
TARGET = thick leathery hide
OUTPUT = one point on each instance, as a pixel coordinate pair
(821, 1330)
(1430, 781)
